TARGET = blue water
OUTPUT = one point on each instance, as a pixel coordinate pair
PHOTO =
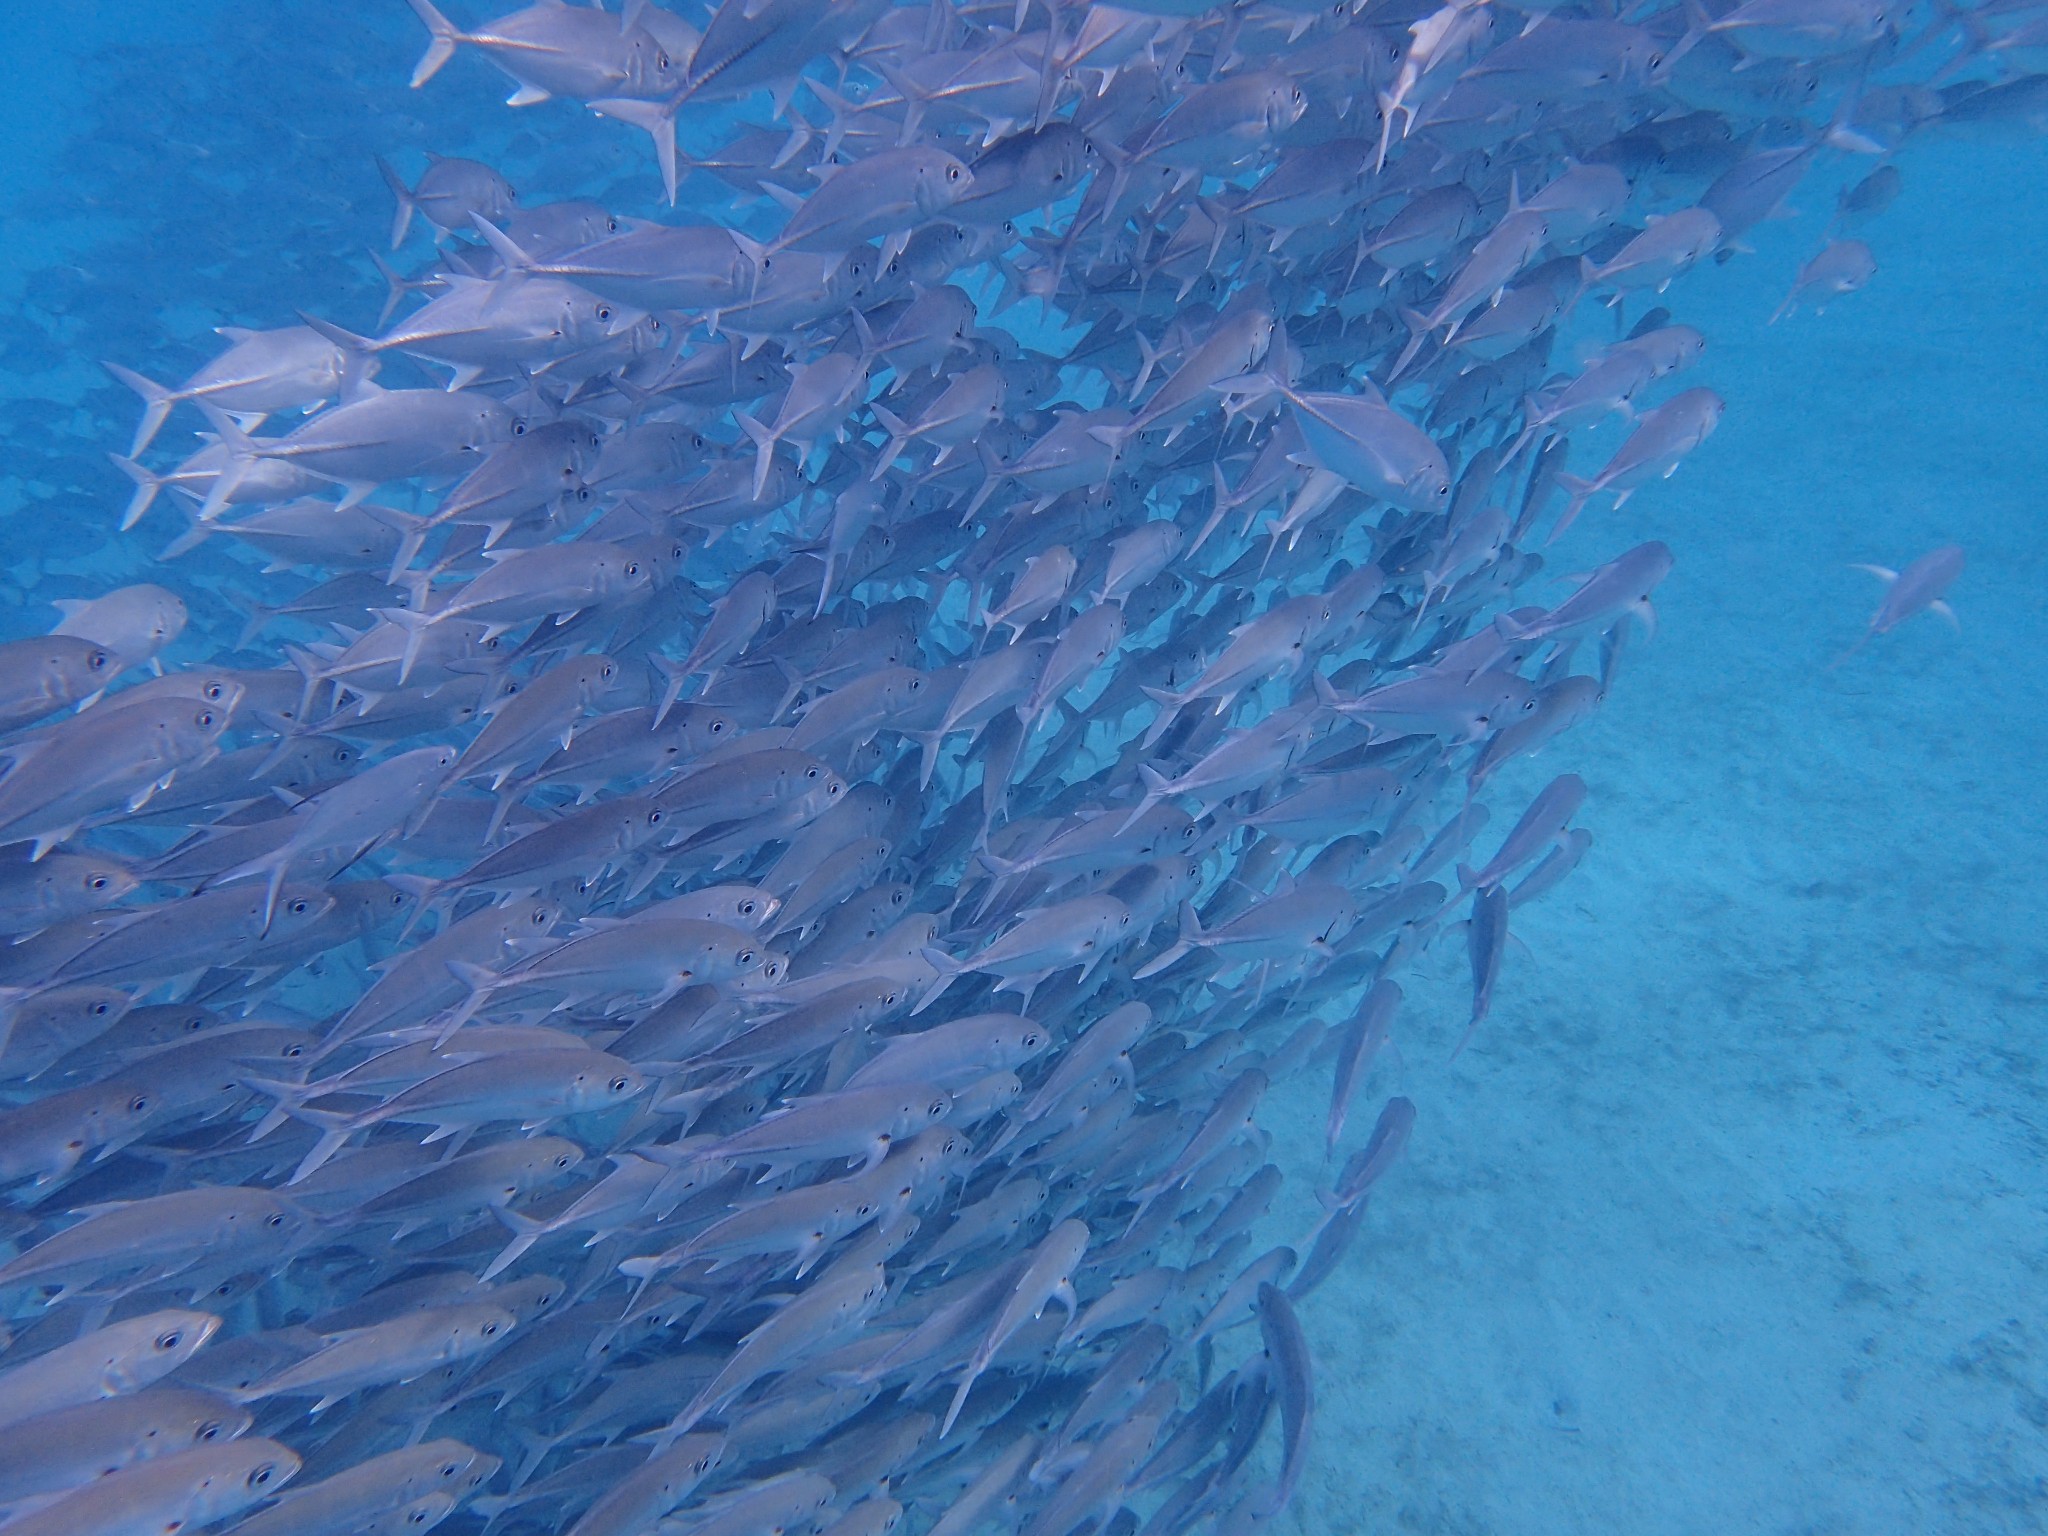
(1737, 1222)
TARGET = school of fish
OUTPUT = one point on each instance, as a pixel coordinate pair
(811, 758)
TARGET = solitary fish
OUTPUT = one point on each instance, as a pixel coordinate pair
(1920, 588)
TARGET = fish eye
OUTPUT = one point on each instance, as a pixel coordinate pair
(97, 883)
(746, 957)
(621, 1084)
(952, 173)
(772, 969)
(747, 907)
(212, 692)
(101, 1010)
(261, 1476)
(276, 1219)
(938, 1108)
(519, 429)
(139, 1104)
(489, 1330)
(169, 1340)
(562, 1161)
(97, 661)
(205, 719)
(604, 311)
(210, 1430)
(298, 908)
(810, 773)
(632, 567)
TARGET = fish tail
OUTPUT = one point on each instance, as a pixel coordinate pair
(156, 404)
(415, 624)
(948, 969)
(899, 438)
(674, 675)
(241, 455)
(401, 221)
(147, 484)
(1579, 491)
(359, 353)
(441, 46)
(335, 1129)
(959, 1399)
(928, 743)
(655, 118)
(396, 286)
(525, 1230)
(481, 981)
(764, 444)
(423, 890)
(1170, 705)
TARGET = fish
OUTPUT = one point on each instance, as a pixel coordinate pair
(1919, 588)
(108, 1362)
(695, 881)
(187, 1488)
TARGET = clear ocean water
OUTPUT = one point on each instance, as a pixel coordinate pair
(1738, 1223)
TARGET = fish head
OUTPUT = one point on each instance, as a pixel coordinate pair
(617, 1083)
(939, 180)
(650, 70)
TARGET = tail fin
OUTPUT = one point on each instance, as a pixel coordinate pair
(525, 1230)
(401, 221)
(764, 442)
(1157, 788)
(1170, 706)
(948, 969)
(1579, 490)
(1190, 936)
(509, 250)
(928, 743)
(424, 891)
(242, 454)
(657, 118)
(899, 438)
(287, 1097)
(334, 1130)
(147, 484)
(674, 675)
(415, 624)
(442, 46)
(359, 353)
(396, 285)
(156, 404)
(481, 981)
